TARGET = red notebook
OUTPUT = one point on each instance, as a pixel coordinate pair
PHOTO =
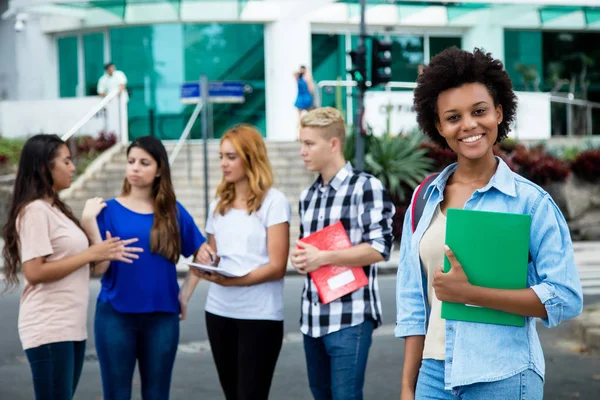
(334, 281)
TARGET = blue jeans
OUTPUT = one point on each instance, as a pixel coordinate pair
(336, 363)
(526, 385)
(56, 368)
(151, 339)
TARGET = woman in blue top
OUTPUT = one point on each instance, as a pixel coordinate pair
(140, 304)
(465, 101)
(304, 99)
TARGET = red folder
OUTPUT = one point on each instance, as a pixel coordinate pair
(334, 281)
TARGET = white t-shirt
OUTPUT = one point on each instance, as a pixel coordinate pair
(242, 244)
(109, 83)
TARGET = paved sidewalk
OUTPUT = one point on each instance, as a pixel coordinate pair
(588, 326)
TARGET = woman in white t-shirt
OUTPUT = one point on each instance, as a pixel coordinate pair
(248, 228)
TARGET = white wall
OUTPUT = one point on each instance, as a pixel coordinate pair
(487, 34)
(533, 119)
(287, 46)
(36, 62)
(8, 83)
(27, 118)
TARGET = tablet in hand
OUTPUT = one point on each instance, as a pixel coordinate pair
(225, 272)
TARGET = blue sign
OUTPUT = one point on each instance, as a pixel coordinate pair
(218, 92)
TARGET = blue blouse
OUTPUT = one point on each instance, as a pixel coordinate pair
(149, 284)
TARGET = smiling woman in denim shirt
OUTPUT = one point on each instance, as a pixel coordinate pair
(465, 101)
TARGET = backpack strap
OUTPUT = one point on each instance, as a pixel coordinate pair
(419, 203)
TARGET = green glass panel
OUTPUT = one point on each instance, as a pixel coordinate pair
(67, 66)
(548, 14)
(157, 59)
(329, 63)
(132, 53)
(115, 7)
(409, 9)
(439, 44)
(523, 58)
(228, 52)
(93, 50)
(407, 55)
(592, 15)
(454, 12)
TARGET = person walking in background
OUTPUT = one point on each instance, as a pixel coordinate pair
(112, 80)
(304, 98)
(248, 229)
(140, 305)
(43, 237)
(465, 101)
(337, 335)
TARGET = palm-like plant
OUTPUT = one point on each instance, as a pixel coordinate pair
(398, 162)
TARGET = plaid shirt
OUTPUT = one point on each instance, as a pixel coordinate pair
(363, 205)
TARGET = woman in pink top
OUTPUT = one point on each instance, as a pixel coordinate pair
(47, 241)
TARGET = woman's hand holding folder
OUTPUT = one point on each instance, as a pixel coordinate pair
(454, 285)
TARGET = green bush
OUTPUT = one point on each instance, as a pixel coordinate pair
(398, 162)
(10, 150)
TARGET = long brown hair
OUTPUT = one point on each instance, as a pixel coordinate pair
(164, 237)
(33, 182)
(250, 147)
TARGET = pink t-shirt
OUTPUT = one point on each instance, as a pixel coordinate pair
(56, 311)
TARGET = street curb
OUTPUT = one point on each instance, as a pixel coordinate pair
(587, 326)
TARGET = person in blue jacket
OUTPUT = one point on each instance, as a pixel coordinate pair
(465, 101)
(140, 304)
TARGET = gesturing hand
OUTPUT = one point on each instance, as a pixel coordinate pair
(115, 249)
(453, 285)
(92, 208)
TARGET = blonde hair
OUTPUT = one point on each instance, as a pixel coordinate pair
(250, 147)
(328, 120)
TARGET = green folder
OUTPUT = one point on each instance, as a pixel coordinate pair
(493, 249)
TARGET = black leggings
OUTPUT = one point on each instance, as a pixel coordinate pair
(245, 353)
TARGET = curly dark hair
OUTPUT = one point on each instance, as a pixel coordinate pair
(453, 68)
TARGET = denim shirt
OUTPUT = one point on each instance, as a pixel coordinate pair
(484, 352)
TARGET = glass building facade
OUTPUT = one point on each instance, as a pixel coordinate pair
(160, 45)
(157, 59)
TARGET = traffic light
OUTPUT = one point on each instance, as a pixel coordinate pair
(381, 61)
(359, 66)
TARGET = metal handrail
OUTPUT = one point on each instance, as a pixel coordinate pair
(400, 85)
(185, 133)
(575, 102)
(388, 86)
(322, 84)
(571, 101)
(90, 115)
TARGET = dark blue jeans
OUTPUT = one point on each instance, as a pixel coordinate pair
(56, 368)
(336, 363)
(151, 339)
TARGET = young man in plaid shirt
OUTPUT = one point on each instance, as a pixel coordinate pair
(337, 335)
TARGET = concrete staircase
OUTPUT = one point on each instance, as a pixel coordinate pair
(106, 175)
